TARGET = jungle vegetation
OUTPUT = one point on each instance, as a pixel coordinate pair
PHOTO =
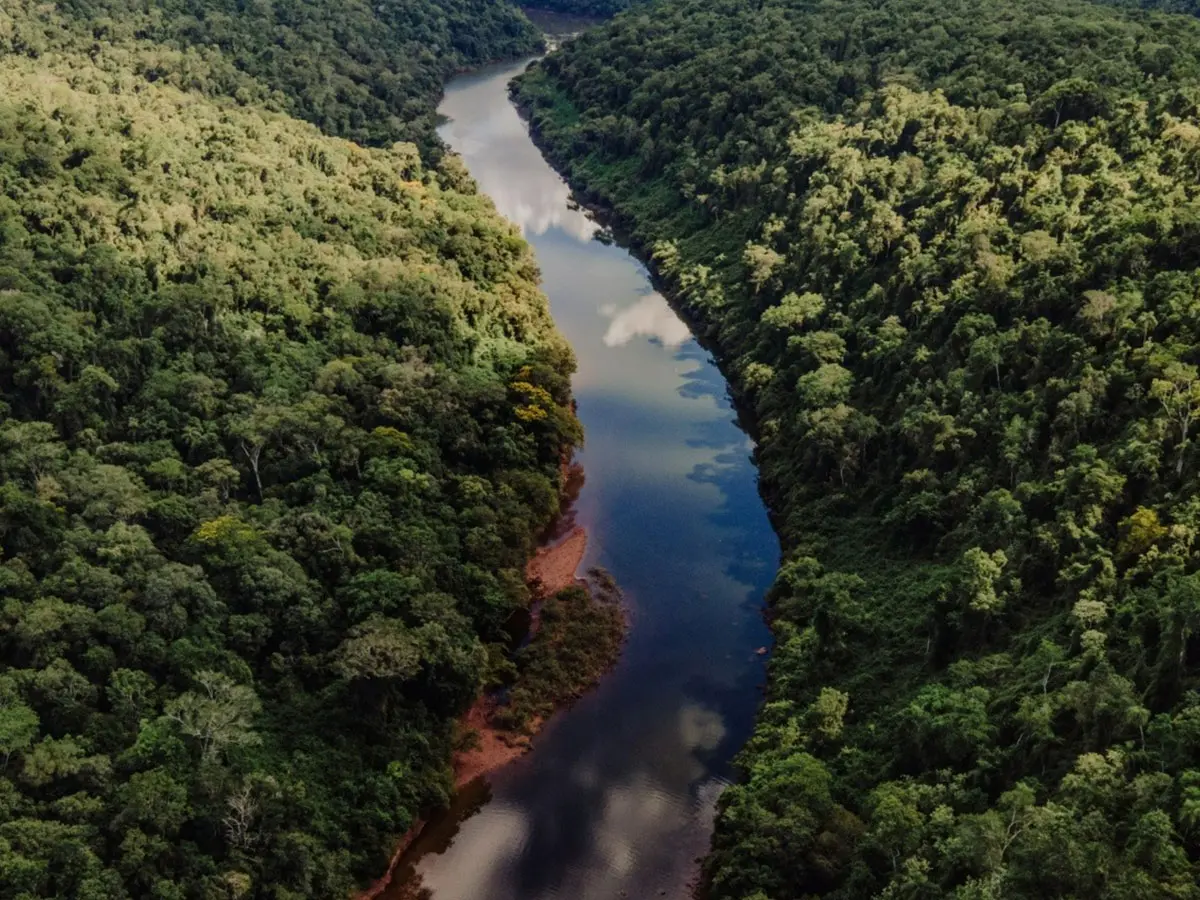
(577, 638)
(280, 419)
(368, 71)
(949, 255)
(601, 9)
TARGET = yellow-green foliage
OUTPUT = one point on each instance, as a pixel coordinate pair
(949, 253)
(368, 71)
(266, 494)
(282, 212)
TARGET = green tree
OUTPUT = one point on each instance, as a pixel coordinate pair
(219, 715)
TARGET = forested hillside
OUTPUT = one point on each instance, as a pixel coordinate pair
(1189, 7)
(949, 254)
(280, 418)
(368, 71)
(598, 8)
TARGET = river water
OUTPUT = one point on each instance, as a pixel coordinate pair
(616, 799)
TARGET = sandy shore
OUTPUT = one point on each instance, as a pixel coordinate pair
(495, 748)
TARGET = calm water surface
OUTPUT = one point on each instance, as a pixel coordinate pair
(616, 800)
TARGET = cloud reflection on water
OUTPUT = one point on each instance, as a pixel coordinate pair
(618, 799)
(655, 818)
(700, 728)
(544, 207)
(650, 317)
(499, 834)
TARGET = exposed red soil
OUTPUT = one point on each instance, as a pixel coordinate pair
(551, 570)
(496, 747)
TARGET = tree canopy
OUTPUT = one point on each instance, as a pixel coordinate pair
(597, 8)
(280, 419)
(368, 71)
(947, 253)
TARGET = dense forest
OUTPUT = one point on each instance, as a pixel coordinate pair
(367, 71)
(949, 254)
(598, 8)
(280, 419)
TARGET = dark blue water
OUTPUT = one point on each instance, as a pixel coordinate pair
(617, 798)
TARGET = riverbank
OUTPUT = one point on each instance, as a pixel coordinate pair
(628, 231)
(551, 570)
(576, 629)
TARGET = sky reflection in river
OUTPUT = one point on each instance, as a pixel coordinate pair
(525, 197)
(618, 797)
(649, 317)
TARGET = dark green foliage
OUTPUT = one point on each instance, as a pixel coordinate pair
(1188, 7)
(368, 70)
(597, 8)
(279, 417)
(578, 639)
(948, 252)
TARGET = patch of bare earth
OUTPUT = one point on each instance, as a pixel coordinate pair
(551, 570)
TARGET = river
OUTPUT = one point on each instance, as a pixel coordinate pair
(616, 800)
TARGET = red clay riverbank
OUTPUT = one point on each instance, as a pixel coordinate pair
(551, 570)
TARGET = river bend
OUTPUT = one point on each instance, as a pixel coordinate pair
(616, 800)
